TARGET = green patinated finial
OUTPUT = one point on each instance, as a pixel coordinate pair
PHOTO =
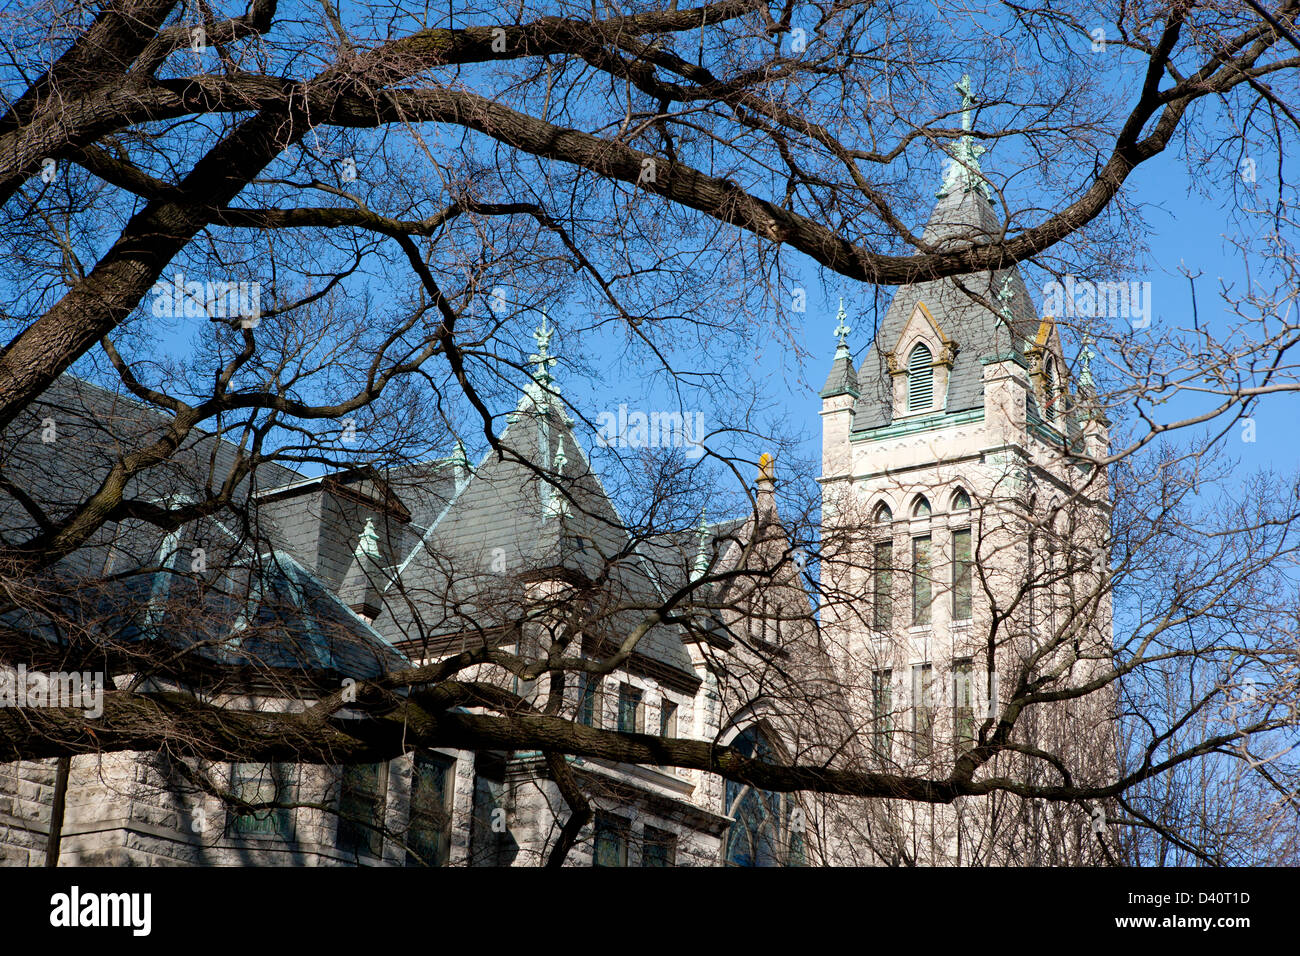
(368, 542)
(542, 357)
(1005, 295)
(967, 102)
(1085, 364)
(964, 166)
(842, 330)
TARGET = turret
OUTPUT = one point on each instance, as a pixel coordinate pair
(839, 395)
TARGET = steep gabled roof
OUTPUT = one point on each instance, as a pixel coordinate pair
(534, 511)
(978, 332)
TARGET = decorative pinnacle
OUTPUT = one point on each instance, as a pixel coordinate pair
(842, 330)
(1085, 363)
(702, 552)
(556, 505)
(964, 166)
(1005, 295)
(542, 357)
(368, 542)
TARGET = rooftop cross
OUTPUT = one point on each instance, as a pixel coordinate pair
(964, 166)
(842, 330)
(967, 102)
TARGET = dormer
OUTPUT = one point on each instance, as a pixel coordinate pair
(920, 365)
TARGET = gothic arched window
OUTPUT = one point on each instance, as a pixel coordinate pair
(922, 507)
(961, 500)
(765, 830)
(920, 379)
(882, 514)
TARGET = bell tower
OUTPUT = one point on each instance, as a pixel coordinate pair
(964, 520)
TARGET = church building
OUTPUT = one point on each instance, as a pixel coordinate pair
(963, 517)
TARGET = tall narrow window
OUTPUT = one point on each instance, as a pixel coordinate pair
(490, 840)
(921, 584)
(667, 719)
(428, 839)
(589, 700)
(659, 848)
(963, 704)
(361, 809)
(922, 709)
(882, 602)
(631, 710)
(611, 841)
(760, 833)
(962, 572)
(920, 379)
(882, 709)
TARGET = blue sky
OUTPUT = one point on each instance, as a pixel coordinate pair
(1183, 229)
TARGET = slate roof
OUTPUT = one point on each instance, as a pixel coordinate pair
(508, 525)
(959, 217)
(125, 581)
(842, 378)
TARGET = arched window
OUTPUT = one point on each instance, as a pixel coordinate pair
(761, 832)
(922, 507)
(883, 515)
(961, 500)
(920, 379)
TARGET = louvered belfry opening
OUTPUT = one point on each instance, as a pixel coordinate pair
(1049, 389)
(920, 379)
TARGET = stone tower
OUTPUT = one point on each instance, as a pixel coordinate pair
(964, 531)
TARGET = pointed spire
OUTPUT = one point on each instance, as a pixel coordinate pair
(765, 499)
(964, 165)
(843, 378)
